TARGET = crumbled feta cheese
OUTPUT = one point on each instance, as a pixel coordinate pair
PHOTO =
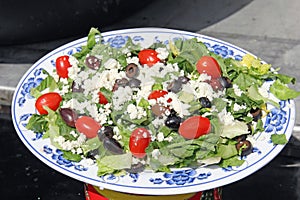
(134, 60)
(111, 64)
(135, 112)
(237, 107)
(163, 53)
(226, 117)
(237, 90)
(160, 137)
(155, 153)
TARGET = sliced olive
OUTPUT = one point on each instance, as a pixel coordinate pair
(175, 86)
(69, 116)
(225, 82)
(112, 145)
(158, 110)
(92, 154)
(183, 79)
(134, 83)
(205, 102)
(92, 62)
(241, 138)
(132, 70)
(136, 168)
(245, 147)
(76, 87)
(105, 131)
(256, 113)
(173, 121)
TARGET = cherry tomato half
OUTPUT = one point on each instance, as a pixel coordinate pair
(51, 100)
(209, 66)
(148, 57)
(157, 94)
(62, 64)
(87, 126)
(102, 98)
(139, 140)
(194, 127)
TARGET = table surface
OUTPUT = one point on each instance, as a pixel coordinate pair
(252, 25)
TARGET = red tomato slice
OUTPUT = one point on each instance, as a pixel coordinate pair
(148, 57)
(157, 94)
(194, 127)
(139, 140)
(87, 126)
(51, 100)
(62, 64)
(209, 66)
(102, 98)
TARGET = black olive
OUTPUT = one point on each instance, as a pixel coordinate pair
(240, 138)
(132, 70)
(134, 83)
(183, 79)
(205, 102)
(105, 131)
(136, 168)
(69, 116)
(245, 147)
(76, 88)
(92, 154)
(122, 82)
(112, 145)
(256, 113)
(92, 62)
(175, 86)
(173, 121)
(225, 82)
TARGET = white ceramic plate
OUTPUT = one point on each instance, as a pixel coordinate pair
(180, 180)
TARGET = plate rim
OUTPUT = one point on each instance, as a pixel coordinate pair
(267, 158)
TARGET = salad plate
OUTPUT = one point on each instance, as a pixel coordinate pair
(279, 120)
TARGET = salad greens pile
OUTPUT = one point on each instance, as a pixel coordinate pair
(250, 84)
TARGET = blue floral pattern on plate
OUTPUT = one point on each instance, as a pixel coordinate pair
(179, 180)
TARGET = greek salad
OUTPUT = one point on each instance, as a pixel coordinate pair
(174, 105)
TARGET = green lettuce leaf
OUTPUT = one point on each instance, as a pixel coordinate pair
(282, 91)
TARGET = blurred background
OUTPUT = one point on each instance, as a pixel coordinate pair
(30, 29)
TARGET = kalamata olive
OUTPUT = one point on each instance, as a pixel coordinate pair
(158, 110)
(183, 79)
(92, 62)
(205, 102)
(132, 70)
(134, 83)
(105, 131)
(245, 147)
(136, 168)
(173, 121)
(112, 145)
(76, 87)
(69, 116)
(256, 113)
(175, 86)
(225, 82)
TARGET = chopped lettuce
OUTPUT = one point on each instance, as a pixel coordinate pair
(279, 138)
(113, 163)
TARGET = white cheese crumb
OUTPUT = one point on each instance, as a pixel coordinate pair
(155, 153)
(163, 53)
(160, 137)
(237, 90)
(226, 117)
